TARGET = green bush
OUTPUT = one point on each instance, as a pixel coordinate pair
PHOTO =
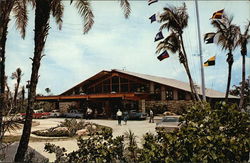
(220, 134)
(51, 133)
(96, 148)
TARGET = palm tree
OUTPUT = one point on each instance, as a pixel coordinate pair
(228, 35)
(47, 90)
(175, 20)
(16, 75)
(42, 15)
(18, 7)
(244, 38)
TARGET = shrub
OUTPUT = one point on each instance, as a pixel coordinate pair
(220, 134)
(96, 148)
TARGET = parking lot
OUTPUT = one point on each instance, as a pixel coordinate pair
(139, 128)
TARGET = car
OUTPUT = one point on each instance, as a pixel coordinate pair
(133, 114)
(55, 113)
(73, 114)
(38, 114)
(168, 123)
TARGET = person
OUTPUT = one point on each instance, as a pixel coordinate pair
(89, 112)
(125, 117)
(151, 116)
(119, 116)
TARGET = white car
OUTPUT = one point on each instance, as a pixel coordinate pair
(55, 113)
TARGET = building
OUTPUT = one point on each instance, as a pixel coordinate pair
(108, 91)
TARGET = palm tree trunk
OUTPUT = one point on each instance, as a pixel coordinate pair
(16, 91)
(230, 62)
(194, 93)
(42, 14)
(243, 53)
(5, 9)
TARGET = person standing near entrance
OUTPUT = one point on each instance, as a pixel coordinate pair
(125, 117)
(119, 116)
(89, 112)
(151, 116)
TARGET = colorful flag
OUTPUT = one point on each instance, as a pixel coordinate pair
(159, 36)
(218, 14)
(210, 62)
(163, 55)
(152, 1)
(209, 38)
(152, 18)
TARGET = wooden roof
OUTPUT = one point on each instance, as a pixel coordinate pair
(161, 80)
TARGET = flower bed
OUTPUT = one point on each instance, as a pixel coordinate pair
(70, 128)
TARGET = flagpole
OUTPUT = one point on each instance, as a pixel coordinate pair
(200, 51)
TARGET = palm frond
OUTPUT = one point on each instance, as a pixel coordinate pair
(174, 18)
(85, 11)
(20, 14)
(11, 123)
(171, 43)
(126, 8)
(57, 11)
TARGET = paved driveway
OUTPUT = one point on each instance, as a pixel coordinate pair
(139, 128)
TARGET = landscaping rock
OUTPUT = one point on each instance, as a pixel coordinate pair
(61, 129)
(82, 132)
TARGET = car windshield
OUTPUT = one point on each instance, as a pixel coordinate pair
(170, 119)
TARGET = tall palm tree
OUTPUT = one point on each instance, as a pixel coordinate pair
(228, 35)
(42, 15)
(16, 75)
(18, 7)
(175, 19)
(244, 38)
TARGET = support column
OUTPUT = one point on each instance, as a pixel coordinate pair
(163, 93)
(142, 106)
(175, 93)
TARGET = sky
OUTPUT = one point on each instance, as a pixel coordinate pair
(118, 43)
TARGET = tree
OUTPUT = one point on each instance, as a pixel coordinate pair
(239, 90)
(228, 35)
(47, 90)
(18, 7)
(42, 15)
(16, 75)
(175, 19)
(244, 38)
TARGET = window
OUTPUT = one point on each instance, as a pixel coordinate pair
(169, 94)
(181, 95)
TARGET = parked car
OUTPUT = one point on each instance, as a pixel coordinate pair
(168, 123)
(38, 114)
(73, 114)
(133, 114)
(55, 113)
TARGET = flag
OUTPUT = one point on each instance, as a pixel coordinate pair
(209, 38)
(218, 14)
(152, 18)
(155, 17)
(151, 1)
(163, 55)
(159, 36)
(210, 62)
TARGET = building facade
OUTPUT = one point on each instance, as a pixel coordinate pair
(108, 91)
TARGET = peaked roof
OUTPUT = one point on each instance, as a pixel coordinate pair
(176, 84)
(161, 80)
